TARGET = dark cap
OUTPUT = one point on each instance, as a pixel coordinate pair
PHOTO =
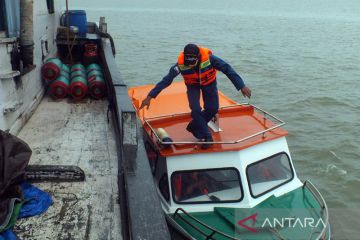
(191, 49)
(191, 54)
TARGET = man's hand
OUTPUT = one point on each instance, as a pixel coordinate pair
(146, 102)
(246, 91)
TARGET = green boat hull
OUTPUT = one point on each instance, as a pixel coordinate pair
(295, 215)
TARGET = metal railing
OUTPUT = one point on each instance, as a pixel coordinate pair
(266, 117)
(325, 211)
(212, 230)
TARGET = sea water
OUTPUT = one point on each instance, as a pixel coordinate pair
(301, 60)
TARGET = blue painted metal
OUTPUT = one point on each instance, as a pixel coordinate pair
(76, 18)
(12, 13)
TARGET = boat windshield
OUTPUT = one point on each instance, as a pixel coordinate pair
(206, 185)
(268, 174)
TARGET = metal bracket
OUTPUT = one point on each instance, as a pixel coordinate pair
(214, 124)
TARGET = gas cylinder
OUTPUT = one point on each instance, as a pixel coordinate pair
(65, 68)
(78, 67)
(78, 87)
(96, 83)
(51, 69)
(77, 73)
(90, 50)
(90, 53)
(60, 87)
(95, 73)
(97, 87)
(92, 67)
(65, 71)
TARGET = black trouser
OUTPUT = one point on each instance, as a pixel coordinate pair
(211, 106)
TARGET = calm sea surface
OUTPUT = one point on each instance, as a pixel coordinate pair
(300, 58)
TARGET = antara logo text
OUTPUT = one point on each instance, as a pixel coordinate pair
(288, 222)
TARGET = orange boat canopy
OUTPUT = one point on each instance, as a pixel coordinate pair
(242, 125)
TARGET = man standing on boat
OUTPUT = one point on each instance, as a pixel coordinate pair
(198, 67)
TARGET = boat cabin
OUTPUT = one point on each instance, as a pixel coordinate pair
(248, 162)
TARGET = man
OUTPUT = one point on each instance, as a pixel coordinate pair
(190, 184)
(198, 66)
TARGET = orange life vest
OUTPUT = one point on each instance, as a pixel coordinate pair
(206, 73)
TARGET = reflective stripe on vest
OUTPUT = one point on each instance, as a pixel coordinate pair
(206, 73)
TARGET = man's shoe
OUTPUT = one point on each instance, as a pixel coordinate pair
(190, 127)
(207, 145)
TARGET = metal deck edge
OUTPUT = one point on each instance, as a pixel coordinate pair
(141, 212)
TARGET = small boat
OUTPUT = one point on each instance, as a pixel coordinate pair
(243, 187)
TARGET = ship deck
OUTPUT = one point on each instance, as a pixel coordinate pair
(67, 133)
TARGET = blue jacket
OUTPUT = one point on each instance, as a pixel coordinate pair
(216, 62)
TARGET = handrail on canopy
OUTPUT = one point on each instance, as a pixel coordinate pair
(267, 116)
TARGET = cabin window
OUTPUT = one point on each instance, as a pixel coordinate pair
(268, 174)
(206, 186)
(164, 187)
(153, 156)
